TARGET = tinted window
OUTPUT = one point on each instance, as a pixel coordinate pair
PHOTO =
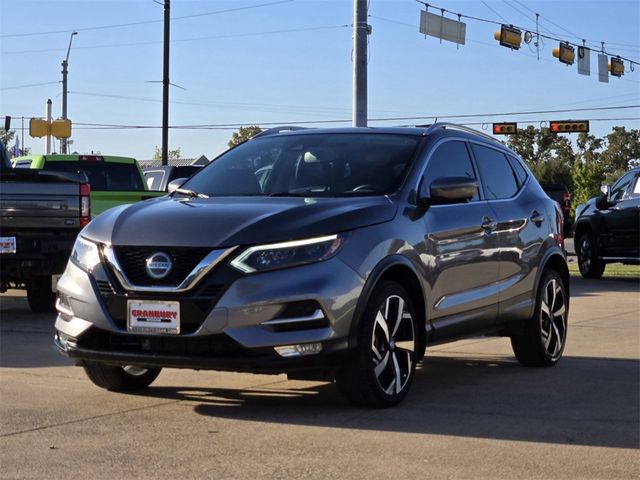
(23, 164)
(451, 159)
(310, 165)
(498, 179)
(636, 189)
(103, 176)
(621, 186)
(521, 173)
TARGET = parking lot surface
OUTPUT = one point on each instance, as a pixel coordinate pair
(473, 412)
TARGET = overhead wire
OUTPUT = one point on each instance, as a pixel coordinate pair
(15, 87)
(144, 22)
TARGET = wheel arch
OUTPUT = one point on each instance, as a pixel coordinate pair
(399, 269)
(556, 261)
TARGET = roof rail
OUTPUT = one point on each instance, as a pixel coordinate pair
(455, 126)
(274, 130)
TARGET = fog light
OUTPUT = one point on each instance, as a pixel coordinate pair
(298, 350)
(63, 307)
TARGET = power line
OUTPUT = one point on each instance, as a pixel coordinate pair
(144, 22)
(28, 86)
(193, 39)
(494, 11)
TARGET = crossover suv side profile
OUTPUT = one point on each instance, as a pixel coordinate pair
(608, 226)
(336, 252)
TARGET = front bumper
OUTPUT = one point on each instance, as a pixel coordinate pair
(228, 319)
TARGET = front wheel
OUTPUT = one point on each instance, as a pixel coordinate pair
(383, 366)
(590, 266)
(120, 378)
(545, 334)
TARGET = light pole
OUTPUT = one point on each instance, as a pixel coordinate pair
(65, 64)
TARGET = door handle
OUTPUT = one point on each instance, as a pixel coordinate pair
(536, 218)
(488, 224)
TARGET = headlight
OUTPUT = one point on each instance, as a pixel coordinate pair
(85, 254)
(287, 254)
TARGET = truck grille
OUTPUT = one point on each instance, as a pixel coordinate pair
(133, 262)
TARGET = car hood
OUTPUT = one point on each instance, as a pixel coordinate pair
(229, 221)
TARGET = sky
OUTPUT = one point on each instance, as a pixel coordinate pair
(261, 62)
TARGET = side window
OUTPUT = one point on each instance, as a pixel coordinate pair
(521, 173)
(23, 164)
(621, 186)
(498, 179)
(154, 179)
(636, 189)
(451, 159)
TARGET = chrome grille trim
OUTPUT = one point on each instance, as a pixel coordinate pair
(198, 273)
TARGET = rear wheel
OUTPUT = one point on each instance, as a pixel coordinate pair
(384, 362)
(39, 295)
(590, 266)
(543, 340)
(120, 378)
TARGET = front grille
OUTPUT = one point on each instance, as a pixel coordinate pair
(210, 346)
(133, 262)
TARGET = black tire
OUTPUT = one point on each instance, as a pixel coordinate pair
(116, 378)
(382, 368)
(544, 337)
(590, 266)
(39, 295)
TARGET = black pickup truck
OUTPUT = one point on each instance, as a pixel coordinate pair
(41, 214)
(608, 226)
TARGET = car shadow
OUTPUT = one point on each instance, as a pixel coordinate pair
(583, 401)
(587, 287)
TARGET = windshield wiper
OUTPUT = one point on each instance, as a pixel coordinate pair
(190, 193)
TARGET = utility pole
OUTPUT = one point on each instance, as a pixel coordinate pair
(360, 37)
(65, 71)
(165, 86)
(48, 141)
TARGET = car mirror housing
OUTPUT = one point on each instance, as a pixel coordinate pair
(175, 184)
(602, 202)
(446, 190)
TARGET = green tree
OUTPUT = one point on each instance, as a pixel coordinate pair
(7, 137)
(549, 156)
(243, 134)
(172, 154)
(622, 147)
(587, 178)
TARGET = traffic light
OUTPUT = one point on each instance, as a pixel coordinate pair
(569, 126)
(38, 127)
(509, 36)
(616, 67)
(61, 128)
(565, 53)
(505, 128)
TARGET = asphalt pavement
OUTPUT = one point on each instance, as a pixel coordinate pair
(473, 412)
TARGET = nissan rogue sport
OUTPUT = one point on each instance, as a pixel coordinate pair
(341, 252)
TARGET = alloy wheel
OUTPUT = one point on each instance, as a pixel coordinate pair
(553, 318)
(585, 254)
(393, 345)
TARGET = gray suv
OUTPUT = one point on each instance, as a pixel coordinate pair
(324, 253)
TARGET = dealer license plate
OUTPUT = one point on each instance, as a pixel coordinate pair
(153, 317)
(7, 244)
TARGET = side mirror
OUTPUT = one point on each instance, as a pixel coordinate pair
(448, 190)
(603, 202)
(175, 184)
(606, 189)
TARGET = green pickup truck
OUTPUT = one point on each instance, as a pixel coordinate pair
(114, 180)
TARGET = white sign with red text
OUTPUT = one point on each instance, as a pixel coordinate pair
(146, 316)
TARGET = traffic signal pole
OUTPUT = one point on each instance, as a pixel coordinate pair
(65, 71)
(165, 86)
(360, 34)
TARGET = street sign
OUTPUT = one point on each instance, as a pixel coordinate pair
(443, 28)
(603, 68)
(584, 61)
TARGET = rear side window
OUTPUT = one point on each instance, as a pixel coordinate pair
(498, 179)
(103, 176)
(521, 173)
(450, 159)
(154, 179)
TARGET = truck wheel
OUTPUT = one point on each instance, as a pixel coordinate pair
(120, 378)
(590, 266)
(545, 334)
(41, 298)
(384, 362)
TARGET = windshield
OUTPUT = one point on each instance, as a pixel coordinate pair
(330, 165)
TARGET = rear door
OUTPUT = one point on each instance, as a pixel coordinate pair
(620, 221)
(461, 251)
(522, 226)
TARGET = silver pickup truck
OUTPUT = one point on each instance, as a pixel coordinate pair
(41, 214)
